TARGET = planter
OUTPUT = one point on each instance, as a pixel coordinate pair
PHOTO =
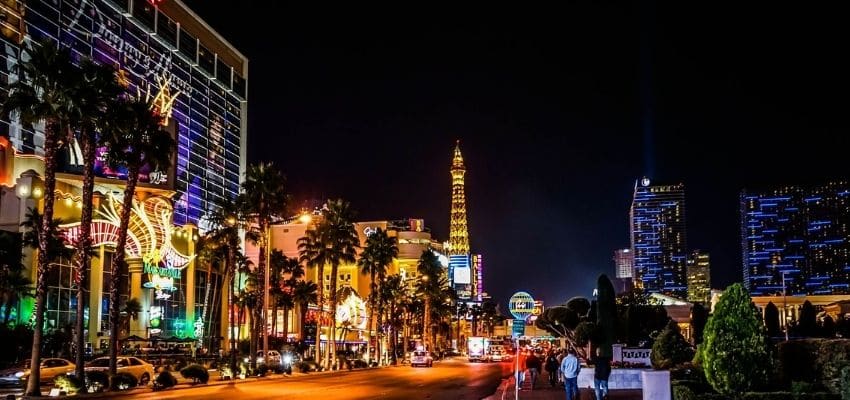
(620, 378)
(656, 385)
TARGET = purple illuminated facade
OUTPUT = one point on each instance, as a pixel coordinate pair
(158, 49)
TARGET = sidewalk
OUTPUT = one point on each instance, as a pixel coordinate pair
(542, 391)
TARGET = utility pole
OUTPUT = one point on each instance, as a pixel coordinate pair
(265, 322)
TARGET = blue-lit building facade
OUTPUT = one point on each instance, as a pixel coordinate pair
(161, 49)
(801, 232)
(658, 238)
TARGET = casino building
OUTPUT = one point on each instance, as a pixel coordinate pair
(163, 51)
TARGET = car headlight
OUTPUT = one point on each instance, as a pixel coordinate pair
(287, 359)
(19, 374)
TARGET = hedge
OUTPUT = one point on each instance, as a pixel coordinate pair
(823, 360)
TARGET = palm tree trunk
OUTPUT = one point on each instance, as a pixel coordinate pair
(320, 314)
(83, 245)
(286, 323)
(394, 340)
(263, 282)
(50, 147)
(373, 296)
(274, 318)
(233, 322)
(426, 324)
(118, 263)
(332, 337)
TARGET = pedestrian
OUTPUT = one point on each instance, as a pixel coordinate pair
(520, 370)
(552, 368)
(532, 363)
(569, 370)
(601, 372)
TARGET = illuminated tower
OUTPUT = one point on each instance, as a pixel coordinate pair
(458, 235)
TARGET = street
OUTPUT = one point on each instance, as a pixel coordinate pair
(450, 379)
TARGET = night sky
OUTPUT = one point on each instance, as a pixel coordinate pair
(558, 111)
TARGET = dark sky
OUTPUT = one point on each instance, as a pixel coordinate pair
(558, 110)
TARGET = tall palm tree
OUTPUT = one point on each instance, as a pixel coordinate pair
(225, 223)
(311, 253)
(44, 93)
(265, 199)
(340, 242)
(393, 292)
(95, 93)
(304, 293)
(430, 270)
(462, 310)
(475, 312)
(130, 312)
(377, 255)
(134, 138)
(286, 272)
(14, 285)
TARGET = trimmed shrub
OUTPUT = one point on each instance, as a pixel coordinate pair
(734, 351)
(96, 381)
(122, 381)
(845, 383)
(67, 383)
(823, 360)
(802, 387)
(165, 380)
(195, 372)
(788, 396)
(670, 348)
(683, 393)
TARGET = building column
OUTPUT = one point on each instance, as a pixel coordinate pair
(138, 325)
(96, 297)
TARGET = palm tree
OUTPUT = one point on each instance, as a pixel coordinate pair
(130, 312)
(475, 312)
(134, 138)
(44, 93)
(429, 270)
(462, 310)
(286, 271)
(265, 200)
(378, 254)
(225, 223)
(392, 292)
(95, 93)
(14, 287)
(304, 293)
(340, 242)
(311, 253)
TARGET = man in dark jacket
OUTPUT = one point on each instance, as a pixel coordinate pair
(601, 372)
(552, 368)
(533, 364)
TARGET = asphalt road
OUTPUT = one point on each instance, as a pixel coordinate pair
(450, 379)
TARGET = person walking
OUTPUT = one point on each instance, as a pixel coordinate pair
(569, 370)
(532, 363)
(552, 368)
(601, 372)
(520, 372)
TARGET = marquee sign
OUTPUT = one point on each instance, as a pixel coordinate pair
(521, 305)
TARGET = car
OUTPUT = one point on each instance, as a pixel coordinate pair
(50, 369)
(274, 357)
(421, 357)
(141, 370)
(497, 356)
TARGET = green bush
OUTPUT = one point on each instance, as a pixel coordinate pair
(734, 352)
(845, 383)
(670, 348)
(681, 392)
(67, 383)
(165, 380)
(96, 381)
(798, 387)
(788, 396)
(122, 381)
(195, 372)
(824, 359)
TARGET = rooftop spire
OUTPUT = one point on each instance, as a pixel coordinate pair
(457, 161)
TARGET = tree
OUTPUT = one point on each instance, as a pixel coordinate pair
(393, 293)
(44, 92)
(311, 253)
(734, 352)
(670, 348)
(807, 326)
(131, 310)
(286, 272)
(828, 327)
(699, 316)
(95, 93)
(14, 286)
(429, 269)
(771, 320)
(224, 238)
(377, 255)
(304, 293)
(264, 196)
(134, 138)
(606, 315)
(563, 320)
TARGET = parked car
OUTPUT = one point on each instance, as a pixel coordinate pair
(141, 370)
(50, 369)
(274, 358)
(421, 357)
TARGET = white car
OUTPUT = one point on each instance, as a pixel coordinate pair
(423, 358)
(50, 369)
(141, 370)
(274, 357)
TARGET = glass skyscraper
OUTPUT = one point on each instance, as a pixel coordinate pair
(699, 277)
(801, 232)
(659, 241)
(161, 48)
